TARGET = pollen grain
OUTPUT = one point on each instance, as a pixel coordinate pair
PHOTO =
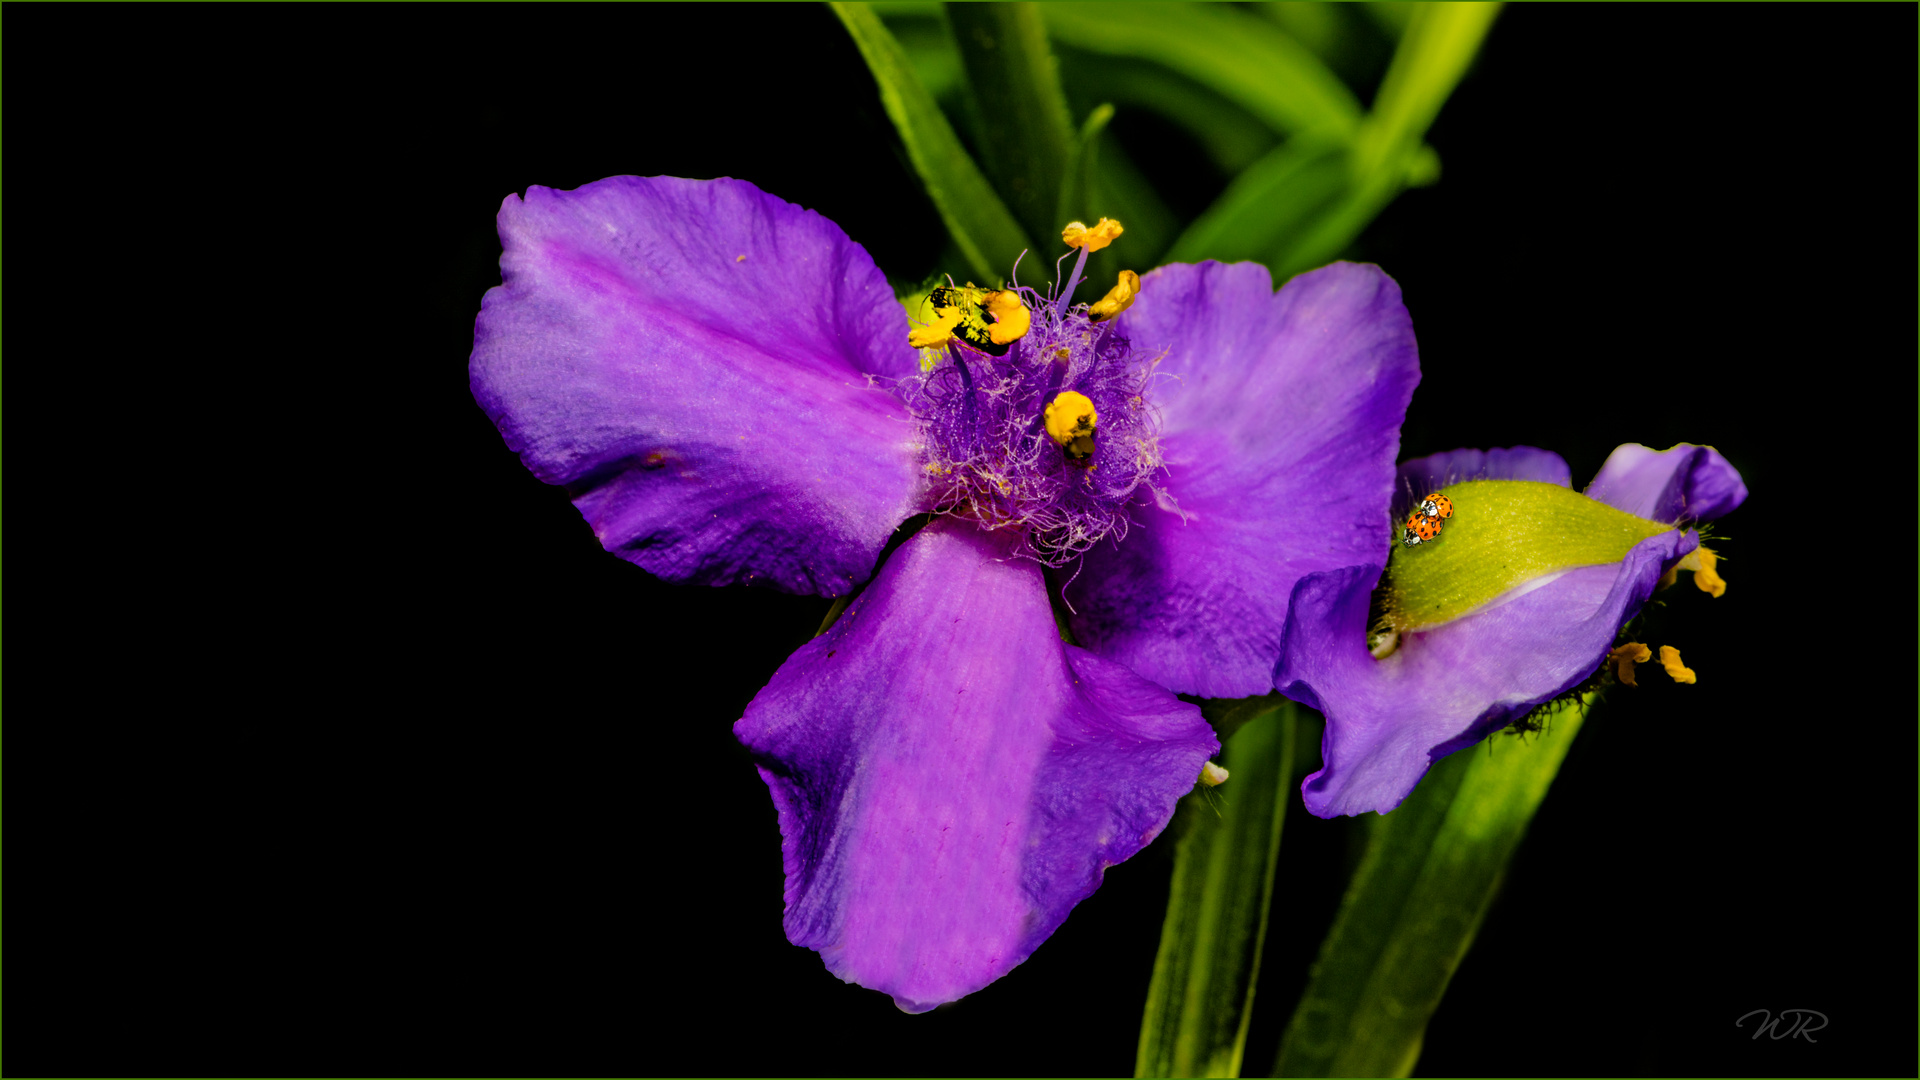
(1670, 659)
(1070, 420)
(1011, 319)
(1702, 561)
(1624, 657)
(1119, 298)
(1078, 234)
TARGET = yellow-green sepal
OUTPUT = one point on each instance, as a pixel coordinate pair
(1503, 534)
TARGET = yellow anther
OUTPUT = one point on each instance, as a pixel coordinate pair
(1212, 775)
(1010, 317)
(1070, 422)
(1670, 659)
(1077, 234)
(1701, 561)
(1119, 298)
(1624, 657)
(938, 333)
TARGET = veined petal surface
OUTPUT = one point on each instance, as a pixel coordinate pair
(702, 366)
(1281, 416)
(1450, 686)
(1687, 482)
(951, 778)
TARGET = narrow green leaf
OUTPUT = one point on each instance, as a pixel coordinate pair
(1209, 960)
(975, 217)
(927, 39)
(893, 9)
(1075, 193)
(1430, 872)
(1232, 137)
(1321, 28)
(1391, 16)
(1120, 191)
(1240, 56)
(1440, 41)
(1025, 135)
(1270, 204)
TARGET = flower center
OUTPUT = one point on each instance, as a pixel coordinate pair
(1013, 388)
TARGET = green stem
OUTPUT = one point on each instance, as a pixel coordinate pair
(1229, 839)
(1431, 870)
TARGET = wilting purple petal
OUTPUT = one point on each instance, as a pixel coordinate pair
(1421, 477)
(1281, 418)
(1688, 482)
(691, 359)
(951, 779)
(1451, 686)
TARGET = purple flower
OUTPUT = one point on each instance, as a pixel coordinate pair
(723, 383)
(1443, 687)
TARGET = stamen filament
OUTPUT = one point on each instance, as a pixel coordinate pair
(1073, 282)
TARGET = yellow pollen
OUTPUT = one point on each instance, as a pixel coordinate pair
(1212, 775)
(1010, 317)
(1119, 298)
(1077, 234)
(1070, 422)
(1624, 657)
(938, 333)
(1701, 561)
(1670, 659)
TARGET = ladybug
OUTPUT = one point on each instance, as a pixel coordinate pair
(1421, 529)
(1435, 506)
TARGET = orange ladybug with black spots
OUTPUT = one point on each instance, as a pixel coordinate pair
(1421, 529)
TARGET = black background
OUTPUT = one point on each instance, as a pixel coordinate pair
(377, 763)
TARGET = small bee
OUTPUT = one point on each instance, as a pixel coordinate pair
(971, 302)
(979, 311)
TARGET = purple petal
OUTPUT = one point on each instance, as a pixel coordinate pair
(712, 416)
(1688, 482)
(951, 779)
(1451, 686)
(1424, 476)
(1282, 419)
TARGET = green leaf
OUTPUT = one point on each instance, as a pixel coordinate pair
(1390, 16)
(1232, 137)
(1429, 874)
(927, 39)
(1025, 135)
(909, 9)
(1209, 960)
(1270, 204)
(1439, 43)
(1240, 56)
(978, 221)
(1119, 191)
(1076, 192)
